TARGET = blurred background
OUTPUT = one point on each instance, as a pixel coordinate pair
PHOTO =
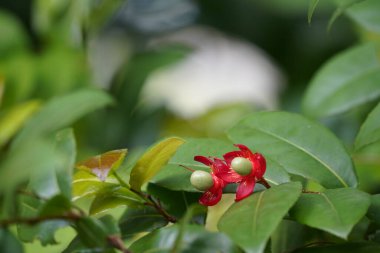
(174, 67)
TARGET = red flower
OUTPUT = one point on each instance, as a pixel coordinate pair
(247, 182)
(221, 175)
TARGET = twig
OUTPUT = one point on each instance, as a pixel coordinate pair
(117, 243)
(72, 216)
(150, 201)
(310, 192)
(264, 182)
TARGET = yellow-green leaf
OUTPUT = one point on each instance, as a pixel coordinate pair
(153, 160)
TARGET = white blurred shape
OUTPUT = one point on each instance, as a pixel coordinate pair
(220, 70)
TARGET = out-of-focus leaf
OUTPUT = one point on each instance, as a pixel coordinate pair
(13, 120)
(58, 205)
(346, 81)
(152, 161)
(61, 112)
(364, 12)
(370, 130)
(374, 209)
(343, 6)
(86, 184)
(9, 243)
(194, 239)
(65, 145)
(102, 164)
(257, 216)
(335, 211)
(143, 219)
(281, 137)
(111, 197)
(351, 247)
(13, 37)
(312, 6)
(43, 231)
(25, 161)
(177, 178)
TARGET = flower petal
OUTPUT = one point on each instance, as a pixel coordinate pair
(259, 165)
(245, 150)
(228, 157)
(214, 194)
(245, 188)
(203, 159)
(224, 172)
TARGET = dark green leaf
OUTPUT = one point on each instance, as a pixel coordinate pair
(346, 81)
(57, 205)
(352, 247)
(374, 209)
(152, 161)
(144, 219)
(370, 130)
(9, 243)
(177, 178)
(91, 232)
(343, 6)
(299, 145)
(61, 112)
(194, 239)
(335, 211)
(257, 216)
(112, 197)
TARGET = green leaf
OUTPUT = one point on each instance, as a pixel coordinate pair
(312, 5)
(175, 177)
(112, 197)
(369, 132)
(351, 247)
(144, 219)
(299, 145)
(92, 232)
(9, 243)
(12, 120)
(365, 13)
(335, 211)
(65, 145)
(86, 184)
(346, 81)
(61, 112)
(374, 210)
(343, 6)
(58, 205)
(194, 239)
(101, 165)
(152, 161)
(257, 216)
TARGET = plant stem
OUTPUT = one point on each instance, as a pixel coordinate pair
(150, 201)
(117, 243)
(311, 192)
(72, 216)
(264, 182)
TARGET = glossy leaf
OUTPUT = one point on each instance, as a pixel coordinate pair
(257, 216)
(370, 130)
(194, 239)
(112, 197)
(335, 211)
(143, 219)
(346, 81)
(9, 243)
(152, 161)
(374, 210)
(61, 112)
(299, 145)
(177, 178)
(13, 120)
(101, 165)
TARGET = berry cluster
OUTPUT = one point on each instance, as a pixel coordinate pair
(241, 166)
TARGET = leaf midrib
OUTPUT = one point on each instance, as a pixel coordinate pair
(306, 152)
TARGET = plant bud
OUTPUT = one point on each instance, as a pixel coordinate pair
(201, 180)
(241, 165)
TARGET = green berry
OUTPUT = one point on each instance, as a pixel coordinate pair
(241, 165)
(201, 180)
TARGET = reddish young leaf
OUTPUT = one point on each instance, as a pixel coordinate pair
(102, 164)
